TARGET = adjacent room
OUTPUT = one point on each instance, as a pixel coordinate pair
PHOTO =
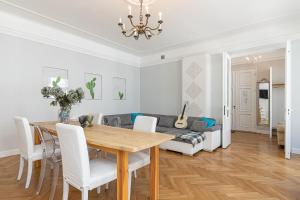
(258, 93)
(149, 99)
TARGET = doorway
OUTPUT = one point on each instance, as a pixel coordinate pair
(257, 92)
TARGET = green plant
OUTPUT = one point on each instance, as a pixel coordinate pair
(90, 119)
(64, 99)
(121, 95)
(90, 86)
(56, 82)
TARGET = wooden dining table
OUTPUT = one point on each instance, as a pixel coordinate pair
(121, 142)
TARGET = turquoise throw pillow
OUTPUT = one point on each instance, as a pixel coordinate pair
(134, 115)
(210, 122)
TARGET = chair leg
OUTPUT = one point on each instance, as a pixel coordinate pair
(42, 175)
(54, 181)
(98, 153)
(98, 190)
(129, 184)
(65, 190)
(84, 194)
(135, 174)
(21, 167)
(29, 173)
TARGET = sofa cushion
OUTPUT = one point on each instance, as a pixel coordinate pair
(177, 131)
(190, 121)
(210, 129)
(198, 126)
(162, 129)
(114, 121)
(166, 121)
(128, 126)
(213, 128)
(126, 119)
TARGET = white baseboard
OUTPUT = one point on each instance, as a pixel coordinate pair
(7, 153)
(296, 150)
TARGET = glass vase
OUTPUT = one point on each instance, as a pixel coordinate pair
(64, 116)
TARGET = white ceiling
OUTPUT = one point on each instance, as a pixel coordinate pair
(186, 21)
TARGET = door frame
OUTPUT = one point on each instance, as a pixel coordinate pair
(288, 86)
(287, 46)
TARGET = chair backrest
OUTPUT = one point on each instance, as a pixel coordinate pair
(145, 123)
(25, 138)
(75, 159)
(98, 118)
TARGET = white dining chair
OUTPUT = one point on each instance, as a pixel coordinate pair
(28, 151)
(142, 158)
(98, 118)
(78, 170)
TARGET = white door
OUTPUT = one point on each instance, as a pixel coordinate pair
(226, 132)
(244, 103)
(288, 101)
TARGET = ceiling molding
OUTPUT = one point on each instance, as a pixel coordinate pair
(272, 34)
(74, 28)
(245, 28)
(27, 29)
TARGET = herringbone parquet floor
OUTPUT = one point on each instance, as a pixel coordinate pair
(252, 168)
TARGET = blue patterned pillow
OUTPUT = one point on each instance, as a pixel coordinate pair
(210, 122)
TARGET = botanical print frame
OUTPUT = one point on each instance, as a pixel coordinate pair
(55, 77)
(119, 88)
(92, 86)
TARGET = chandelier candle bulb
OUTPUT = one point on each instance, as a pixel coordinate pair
(159, 28)
(147, 9)
(129, 10)
(160, 16)
(120, 20)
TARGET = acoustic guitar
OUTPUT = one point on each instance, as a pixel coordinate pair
(182, 119)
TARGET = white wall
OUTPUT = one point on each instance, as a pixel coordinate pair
(161, 89)
(295, 96)
(196, 88)
(21, 65)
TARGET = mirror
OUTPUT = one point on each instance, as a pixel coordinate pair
(263, 112)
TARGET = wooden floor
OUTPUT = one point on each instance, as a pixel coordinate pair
(253, 167)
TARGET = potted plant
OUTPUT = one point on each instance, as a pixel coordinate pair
(65, 100)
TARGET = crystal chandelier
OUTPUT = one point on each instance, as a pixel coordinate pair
(142, 28)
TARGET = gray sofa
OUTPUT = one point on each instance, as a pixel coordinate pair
(165, 124)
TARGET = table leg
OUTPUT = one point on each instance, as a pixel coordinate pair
(122, 175)
(154, 167)
(37, 141)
